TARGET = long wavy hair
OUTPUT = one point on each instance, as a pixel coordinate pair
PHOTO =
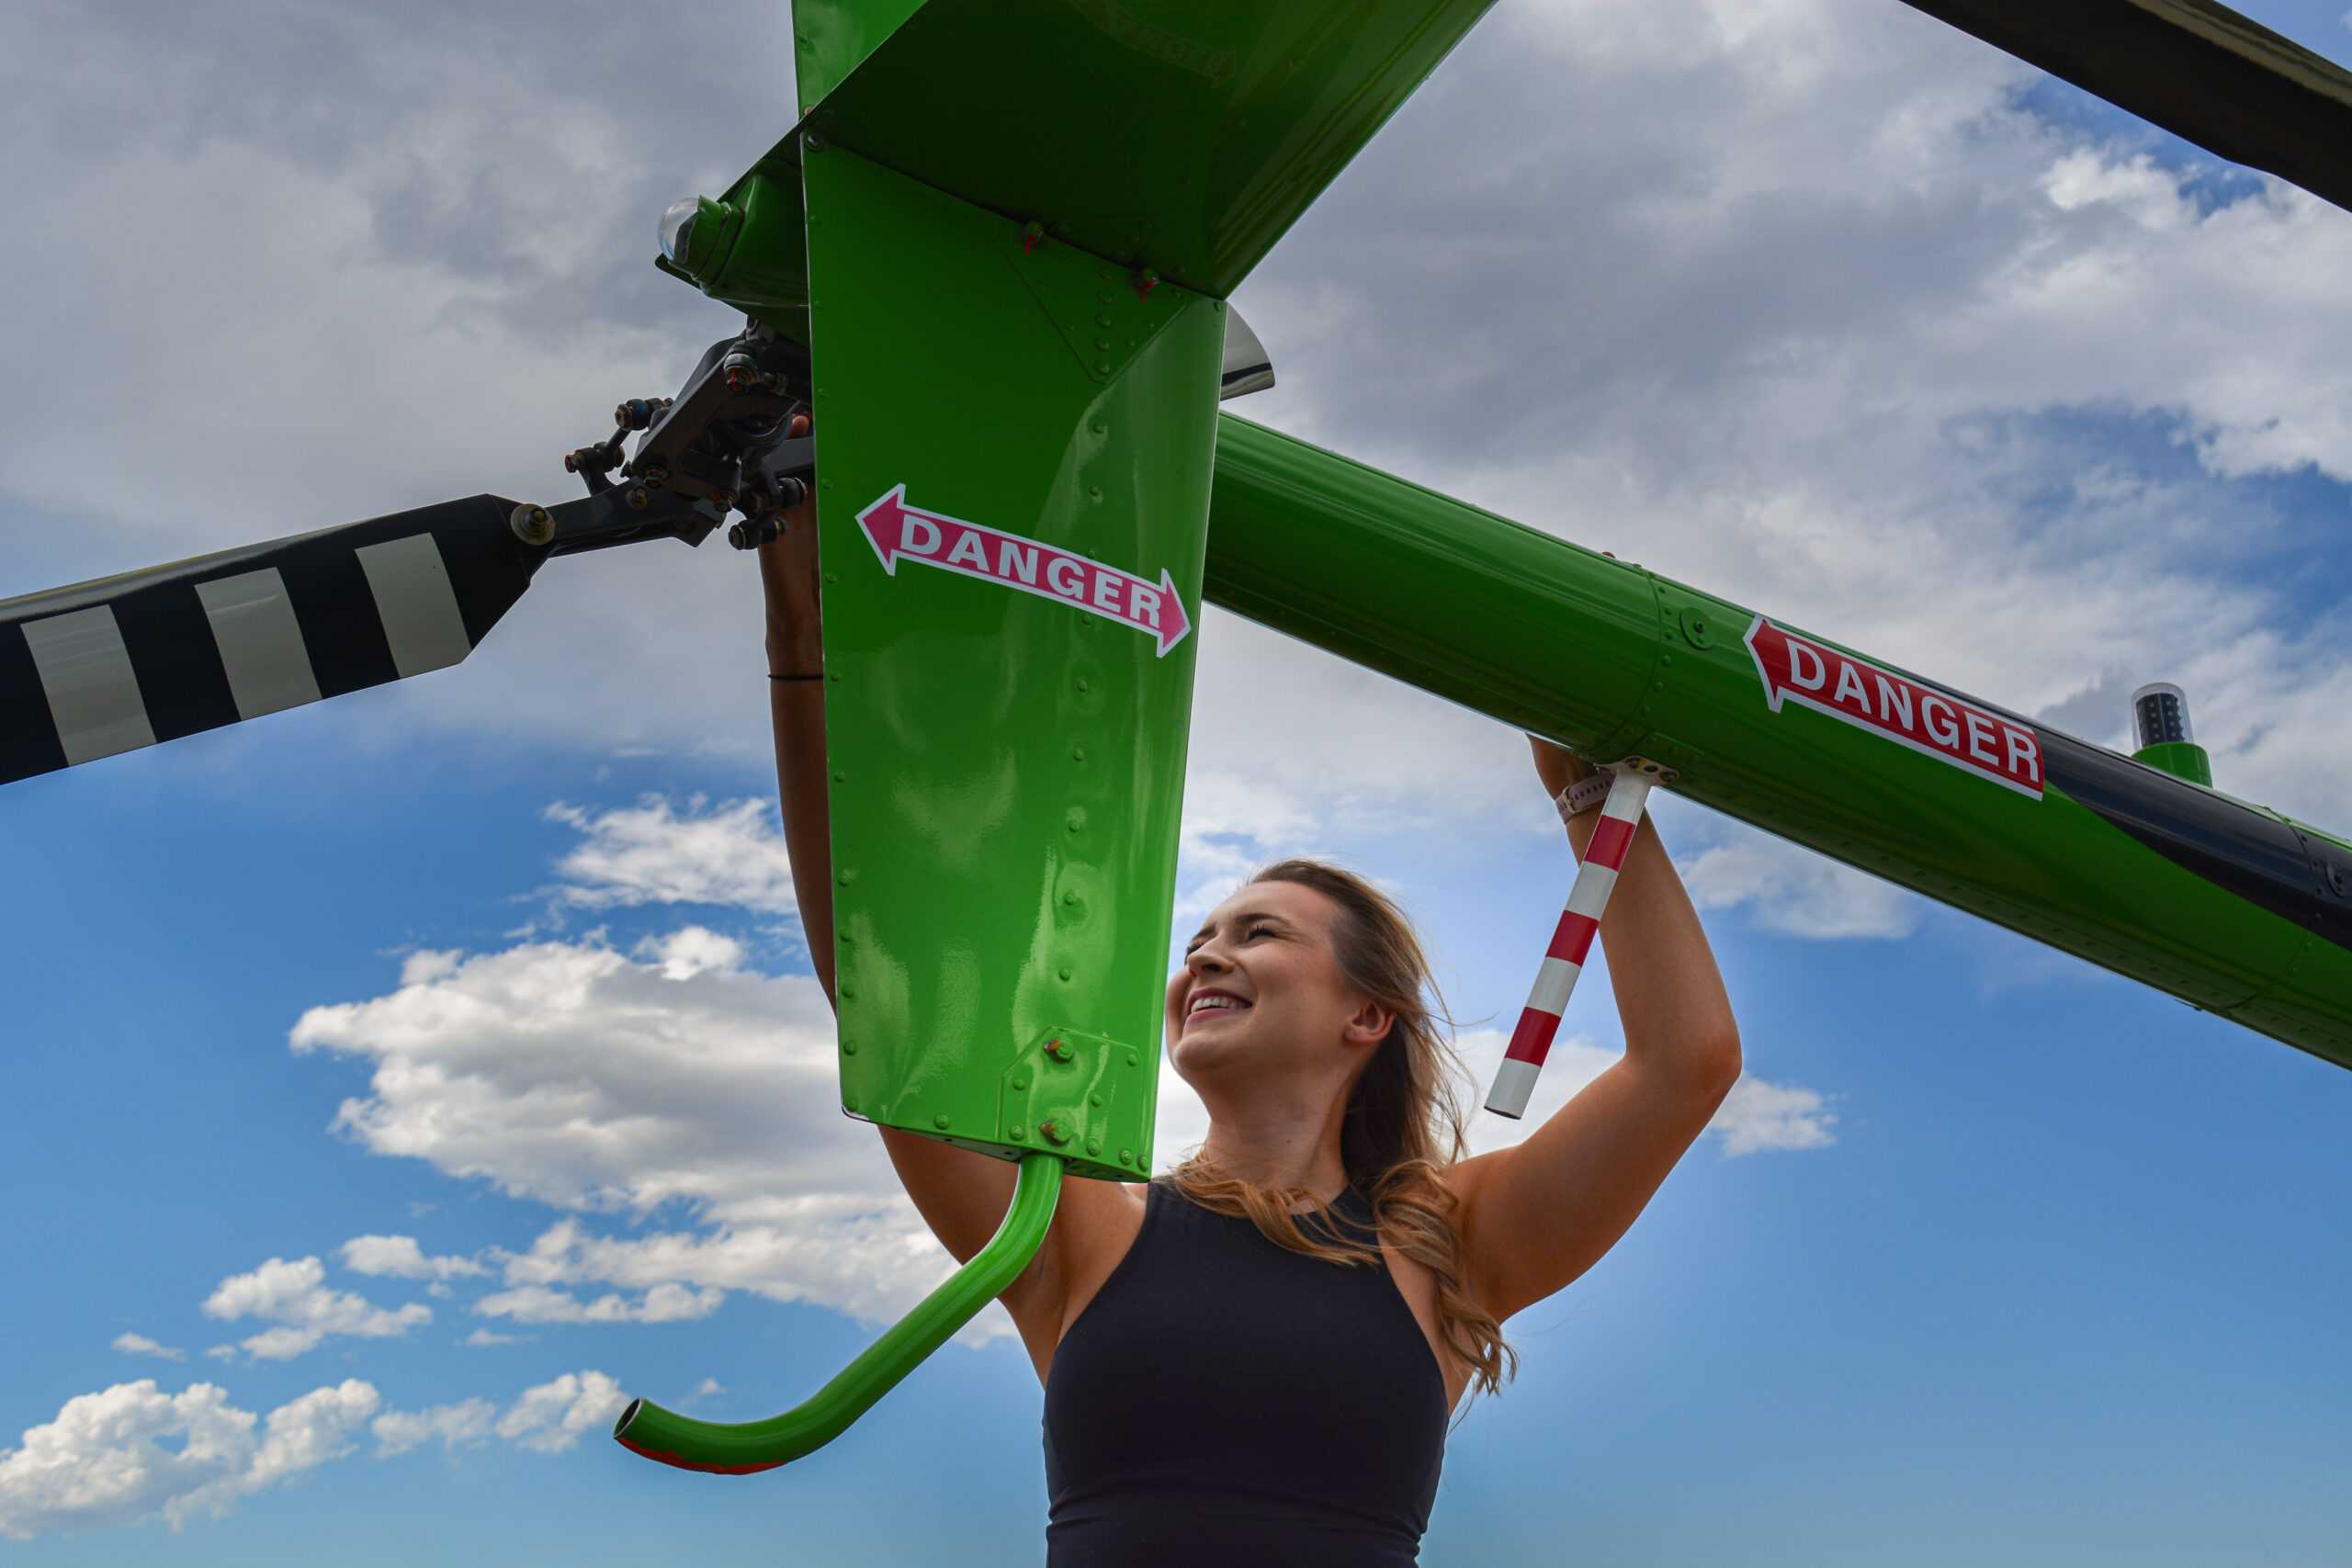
(1403, 1127)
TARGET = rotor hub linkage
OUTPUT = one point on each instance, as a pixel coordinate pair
(723, 443)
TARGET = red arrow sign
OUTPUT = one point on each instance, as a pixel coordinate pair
(1796, 669)
(898, 531)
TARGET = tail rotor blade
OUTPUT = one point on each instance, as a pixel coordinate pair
(119, 662)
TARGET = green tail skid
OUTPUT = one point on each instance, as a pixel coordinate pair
(688, 1444)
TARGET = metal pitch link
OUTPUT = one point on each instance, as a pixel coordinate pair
(639, 413)
(742, 374)
(1620, 812)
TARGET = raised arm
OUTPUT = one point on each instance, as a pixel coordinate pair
(1538, 1214)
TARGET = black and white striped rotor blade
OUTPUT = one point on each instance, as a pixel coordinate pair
(125, 661)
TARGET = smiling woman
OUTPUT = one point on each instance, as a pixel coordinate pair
(1253, 1359)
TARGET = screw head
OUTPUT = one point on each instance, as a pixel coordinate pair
(940, 1121)
(1053, 1132)
(638, 499)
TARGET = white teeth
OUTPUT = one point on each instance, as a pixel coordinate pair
(1221, 1003)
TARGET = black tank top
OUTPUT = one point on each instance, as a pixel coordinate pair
(1221, 1401)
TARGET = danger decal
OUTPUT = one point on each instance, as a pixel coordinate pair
(1795, 668)
(898, 532)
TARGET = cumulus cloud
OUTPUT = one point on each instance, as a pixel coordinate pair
(130, 1452)
(731, 853)
(293, 1296)
(598, 1080)
(552, 1417)
(457, 1426)
(666, 1303)
(1795, 892)
(140, 1344)
(400, 1258)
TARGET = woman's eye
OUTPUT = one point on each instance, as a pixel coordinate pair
(1261, 931)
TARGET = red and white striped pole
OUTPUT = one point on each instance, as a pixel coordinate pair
(1620, 812)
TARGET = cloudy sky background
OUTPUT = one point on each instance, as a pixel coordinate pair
(400, 1080)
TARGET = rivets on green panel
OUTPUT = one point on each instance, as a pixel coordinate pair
(848, 993)
(849, 1102)
(832, 576)
(841, 775)
(1019, 1135)
(1095, 1100)
(1126, 1156)
(1101, 427)
(1078, 754)
(1131, 1058)
(1102, 367)
(1093, 492)
(849, 1047)
(1083, 684)
(940, 1122)
(834, 674)
(1069, 897)
(1020, 1078)
(1065, 971)
(1075, 819)
(1103, 344)
(845, 877)
(1053, 1132)
(1102, 320)
(1094, 1146)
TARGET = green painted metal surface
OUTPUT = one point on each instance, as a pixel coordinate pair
(831, 38)
(1160, 133)
(1612, 660)
(741, 1450)
(1008, 759)
(2182, 759)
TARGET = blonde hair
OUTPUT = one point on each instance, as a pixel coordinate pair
(1403, 1126)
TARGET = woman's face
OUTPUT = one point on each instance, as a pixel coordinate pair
(1260, 991)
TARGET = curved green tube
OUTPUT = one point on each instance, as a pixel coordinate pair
(673, 1439)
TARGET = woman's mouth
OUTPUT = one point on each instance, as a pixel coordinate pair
(1213, 1006)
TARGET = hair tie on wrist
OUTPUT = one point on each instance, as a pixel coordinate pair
(817, 676)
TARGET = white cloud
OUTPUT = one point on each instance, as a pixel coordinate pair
(401, 1258)
(481, 1338)
(591, 1080)
(1796, 892)
(458, 1426)
(140, 1344)
(705, 1389)
(130, 1453)
(729, 853)
(551, 1416)
(666, 1303)
(294, 1297)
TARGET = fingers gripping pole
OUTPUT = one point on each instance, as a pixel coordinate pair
(1571, 940)
(673, 1439)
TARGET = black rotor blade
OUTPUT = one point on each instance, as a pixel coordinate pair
(2199, 70)
(125, 661)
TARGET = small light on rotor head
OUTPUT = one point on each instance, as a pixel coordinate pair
(677, 228)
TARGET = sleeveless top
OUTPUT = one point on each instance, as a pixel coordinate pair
(1221, 1401)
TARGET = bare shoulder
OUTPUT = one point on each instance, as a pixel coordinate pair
(1094, 1224)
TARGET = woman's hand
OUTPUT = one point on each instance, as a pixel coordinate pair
(1556, 765)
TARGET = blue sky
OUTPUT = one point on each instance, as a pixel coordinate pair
(1994, 1256)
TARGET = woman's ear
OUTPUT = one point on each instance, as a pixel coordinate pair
(1369, 1025)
